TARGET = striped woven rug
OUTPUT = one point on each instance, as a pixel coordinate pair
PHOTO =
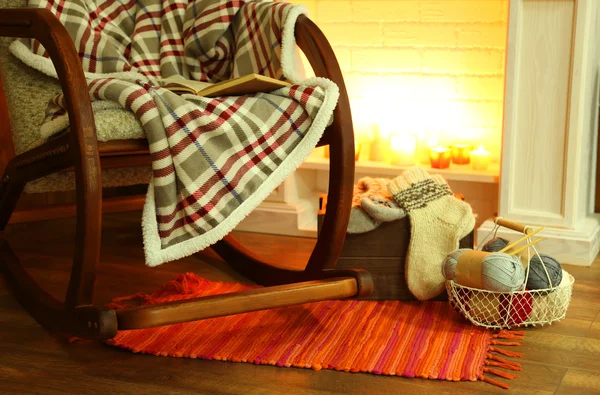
(409, 339)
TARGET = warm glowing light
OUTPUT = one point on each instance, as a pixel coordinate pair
(439, 157)
(365, 151)
(461, 154)
(432, 115)
(403, 150)
(480, 159)
(380, 145)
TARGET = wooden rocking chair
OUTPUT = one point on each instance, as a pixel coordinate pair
(78, 150)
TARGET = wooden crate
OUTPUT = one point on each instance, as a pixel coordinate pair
(382, 252)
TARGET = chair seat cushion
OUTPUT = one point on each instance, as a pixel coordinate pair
(28, 92)
(65, 181)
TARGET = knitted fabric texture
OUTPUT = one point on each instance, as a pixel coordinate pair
(372, 204)
(376, 187)
(438, 222)
(382, 210)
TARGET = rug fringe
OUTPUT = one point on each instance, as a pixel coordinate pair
(502, 365)
(498, 342)
(499, 362)
(184, 284)
(508, 353)
(494, 382)
(505, 334)
(495, 360)
(500, 373)
(143, 298)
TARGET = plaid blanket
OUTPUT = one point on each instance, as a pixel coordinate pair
(213, 160)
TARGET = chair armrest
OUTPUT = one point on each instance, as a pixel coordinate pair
(42, 25)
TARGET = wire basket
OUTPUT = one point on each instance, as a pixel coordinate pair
(511, 309)
(499, 310)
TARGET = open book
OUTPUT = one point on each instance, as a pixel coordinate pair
(244, 85)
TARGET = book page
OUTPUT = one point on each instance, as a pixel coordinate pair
(178, 84)
(244, 85)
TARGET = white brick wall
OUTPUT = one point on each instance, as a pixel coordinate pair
(433, 67)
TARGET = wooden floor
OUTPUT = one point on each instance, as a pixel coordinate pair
(560, 359)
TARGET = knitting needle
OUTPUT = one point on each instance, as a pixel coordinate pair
(514, 243)
(526, 246)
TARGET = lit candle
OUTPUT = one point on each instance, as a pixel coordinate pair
(380, 146)
(424, 146)
(480, 159)
(461, 154)
(439, 157)
(404, 149)
(365, 151)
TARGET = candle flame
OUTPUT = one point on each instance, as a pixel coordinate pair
(481, 150)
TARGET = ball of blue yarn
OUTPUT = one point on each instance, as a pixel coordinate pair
(501, 272)
(494, 245)
(449, 264)
(537, 275)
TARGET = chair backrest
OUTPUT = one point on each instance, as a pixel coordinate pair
(27, 92)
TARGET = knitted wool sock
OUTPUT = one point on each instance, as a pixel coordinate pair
(360, 221)
(469, 221)
(372, 204)
(377, 201)
(381, 210)
(437, 221)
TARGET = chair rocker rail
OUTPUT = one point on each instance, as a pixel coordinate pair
(78, 149)
(235, 303)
